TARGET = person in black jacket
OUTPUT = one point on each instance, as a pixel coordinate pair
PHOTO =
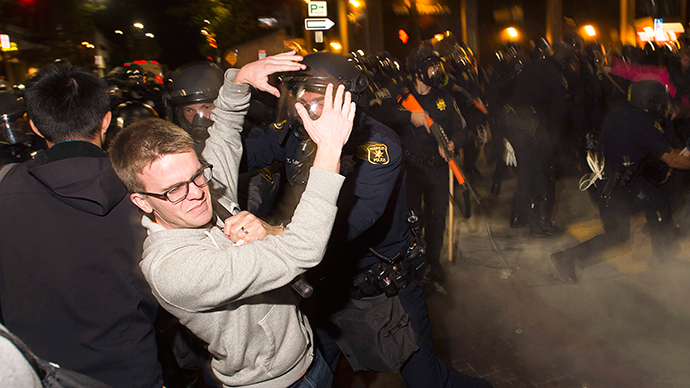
(70, 284)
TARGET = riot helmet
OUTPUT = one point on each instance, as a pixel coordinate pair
(541, 49)
(566, 58)
(389, 67)
(596, 55)
(425, 63)
(13, 121)
(125, 114)
(632, 54)
(647, 94)
(651, 53)
(574, 39)
(192, 88)
(309, 85)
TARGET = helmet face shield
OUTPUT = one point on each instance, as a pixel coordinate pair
(14, 130)
(311, 100)
(308, 91)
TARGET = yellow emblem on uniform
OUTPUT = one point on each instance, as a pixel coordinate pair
(659, 127)
(441, 104)
(374, 153)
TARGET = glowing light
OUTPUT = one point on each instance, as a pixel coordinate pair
(336, 46)
(512, 32)
(355, 3)
(403, 36)
(590, 31)
(119, 32)
(438, 37)
(150, 35)
(84, 43)
(138, 25)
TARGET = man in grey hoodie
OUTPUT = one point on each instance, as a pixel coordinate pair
(228, 281)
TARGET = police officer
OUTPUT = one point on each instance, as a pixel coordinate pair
(17, 141)
(427, 170)
(507, 65)
(191, 93)
(467, 88)
(371, 234)
(625, 189)
(534, 124)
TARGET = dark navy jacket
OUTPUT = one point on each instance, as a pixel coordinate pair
(372, 204)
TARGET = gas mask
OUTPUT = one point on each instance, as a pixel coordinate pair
(432, 73)
(195, 119)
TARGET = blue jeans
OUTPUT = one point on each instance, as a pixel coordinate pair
(318, 375)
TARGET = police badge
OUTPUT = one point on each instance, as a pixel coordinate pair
(374, 153)
(441, 104)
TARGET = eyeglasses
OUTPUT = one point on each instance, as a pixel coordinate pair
(179, 192)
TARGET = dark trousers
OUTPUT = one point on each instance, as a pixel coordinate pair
(536, 177)
(423, 369)
(427, 195)
(639, 195)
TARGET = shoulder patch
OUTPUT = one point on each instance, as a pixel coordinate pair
(382, 94)
(659, 127)
(374, 153)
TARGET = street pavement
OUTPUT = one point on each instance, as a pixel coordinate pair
(507, 317)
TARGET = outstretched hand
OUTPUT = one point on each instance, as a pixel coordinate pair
(332, 129)
(256, 73)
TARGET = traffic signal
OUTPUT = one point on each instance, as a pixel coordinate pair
(403, 36)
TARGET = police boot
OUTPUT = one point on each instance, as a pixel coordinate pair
(517, 218)
(565, 265)
(542, 224)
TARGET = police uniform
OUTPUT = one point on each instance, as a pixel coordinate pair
(534, 127)
(371, 223)
(467, 95)
(628, 136)
(427, 172)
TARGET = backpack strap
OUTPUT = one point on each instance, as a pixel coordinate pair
(28, 354)
(5, 169)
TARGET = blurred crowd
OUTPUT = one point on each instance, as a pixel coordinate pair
(617, 118)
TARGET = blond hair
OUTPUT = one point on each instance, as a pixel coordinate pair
(141, 143)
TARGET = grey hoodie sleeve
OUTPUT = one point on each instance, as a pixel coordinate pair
(223, 148)
(195, 270)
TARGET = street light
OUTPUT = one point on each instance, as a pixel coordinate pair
(150, 35)
(336, 46)
(512, 33)
(119, 32)
(590, 31)
(138, 25)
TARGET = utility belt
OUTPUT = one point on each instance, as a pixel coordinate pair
(618, 177)
(393, 274)
(427, 161)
